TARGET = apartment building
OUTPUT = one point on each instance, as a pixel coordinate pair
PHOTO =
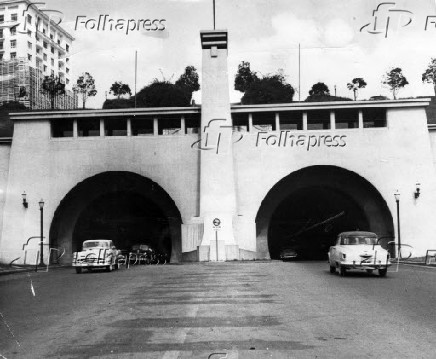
(33, 45)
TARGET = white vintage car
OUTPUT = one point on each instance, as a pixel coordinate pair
(96, 253)
(358, 250)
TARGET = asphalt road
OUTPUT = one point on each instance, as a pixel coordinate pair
(243, 310)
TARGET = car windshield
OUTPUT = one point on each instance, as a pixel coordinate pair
(354, 240)
(93, 244)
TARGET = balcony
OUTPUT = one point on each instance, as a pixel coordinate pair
(51, 42)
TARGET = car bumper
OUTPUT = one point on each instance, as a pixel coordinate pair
(365, 266)
(92, 264)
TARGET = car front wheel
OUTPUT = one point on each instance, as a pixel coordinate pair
(343, 271)
(109, 268)
(332, 269)
(78, 270)
(382, 272)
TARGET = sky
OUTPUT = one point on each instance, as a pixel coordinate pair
(336, 46)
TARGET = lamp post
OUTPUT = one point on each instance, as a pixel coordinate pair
(41, 252)
(397, 199)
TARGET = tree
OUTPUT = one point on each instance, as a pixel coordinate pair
(395, 80)
(85, 86)
(119, 89)
(244, 77)
(53, 87)
(429, 75)
(188, 81)
(356, 84)
(319, 89)
(269, 89)
(163, 94)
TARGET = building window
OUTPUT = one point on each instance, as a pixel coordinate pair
(51, 36)
(67, 81)
(264, 121)
(38, 51)
(292, 121)
(29, 45)
(240, 123)
(59, 42)
(67, 60)
(2, 19)
(44, 44)
(1, 33)
(29, 57)
(374, 117)
(59, 54)
(13, 44)
(44, 31)
(52, 72)
(13, 55)
(115, 127)
(45, 68)
(29, 33)
(347, 118)
(52, 62)
(67, 70)
(142, 126)
(1, 56)
(1, 45)
(318, 120)
(67, 47)
(14, 17)
(87, 127)
(29, 19)
(37, 37)
(52, 49)
(169, 126)
(62, 128)
(44, 57)
(13, 31)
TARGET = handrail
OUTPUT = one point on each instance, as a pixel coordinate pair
(27, 243)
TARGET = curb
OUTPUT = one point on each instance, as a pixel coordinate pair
(11, 270)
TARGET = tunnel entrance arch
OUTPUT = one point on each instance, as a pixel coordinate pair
(307, 209)
(121, 206)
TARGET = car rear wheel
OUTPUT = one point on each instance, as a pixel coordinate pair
(109, 268)
(78, 270)
(332, 269)
(369, 271)
(342, 271)
(382, 272)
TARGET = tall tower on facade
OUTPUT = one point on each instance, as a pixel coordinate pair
(217, 183)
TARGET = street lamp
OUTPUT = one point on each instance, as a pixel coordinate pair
(41, 252)
(397, 199)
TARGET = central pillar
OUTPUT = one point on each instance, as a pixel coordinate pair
(217, 182)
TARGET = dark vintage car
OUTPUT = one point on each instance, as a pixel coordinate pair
(288, 254)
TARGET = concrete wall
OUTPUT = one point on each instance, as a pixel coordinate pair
(396, 157)
(49, 168)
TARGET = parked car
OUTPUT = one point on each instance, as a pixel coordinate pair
(288, 254)
(96, 253)
(358, 250)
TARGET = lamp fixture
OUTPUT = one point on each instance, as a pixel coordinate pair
(25, 203)
(417, 190)
(397, 196)
(41, 204)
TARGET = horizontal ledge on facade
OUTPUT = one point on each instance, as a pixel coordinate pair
(150, 111)
(5, 139)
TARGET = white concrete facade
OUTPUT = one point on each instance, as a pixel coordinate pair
(394, 156)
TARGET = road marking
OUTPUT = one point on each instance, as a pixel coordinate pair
(10, 330)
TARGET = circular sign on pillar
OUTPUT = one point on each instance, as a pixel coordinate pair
(216, 223)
